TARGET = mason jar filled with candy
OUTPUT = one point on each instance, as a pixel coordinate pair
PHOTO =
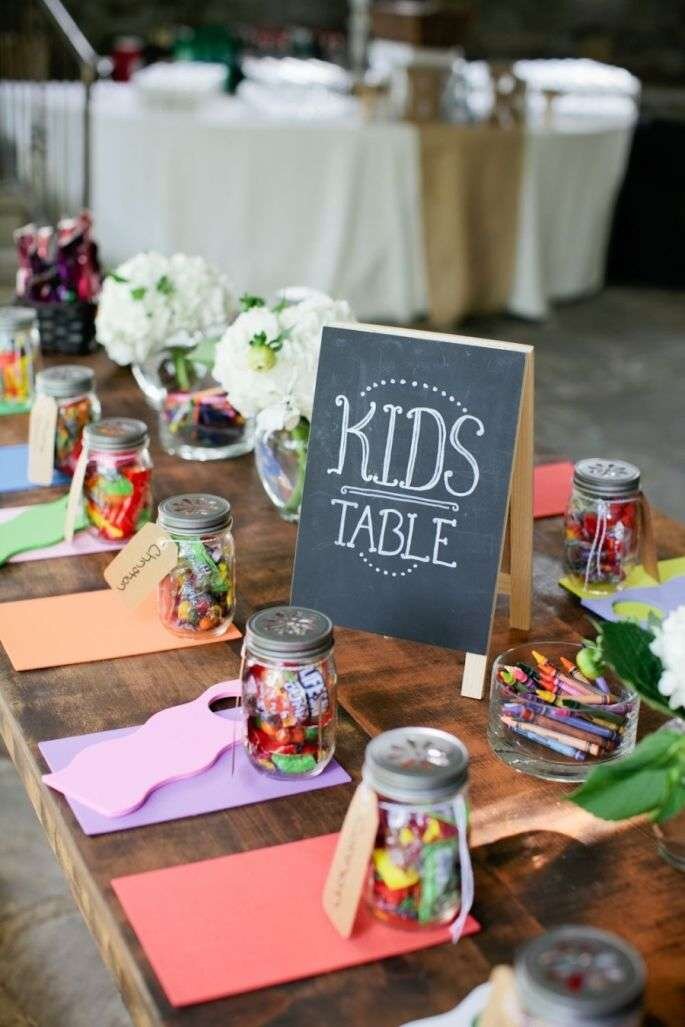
(197, 597)
(289, 691)
(420, 871)
(18, 346)
(73, 389)
(602, 524)
(117, 485)
(577, 976)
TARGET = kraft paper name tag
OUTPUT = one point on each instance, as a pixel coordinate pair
(343, 888)
(75, 494)
(142, 564)
(42, 427)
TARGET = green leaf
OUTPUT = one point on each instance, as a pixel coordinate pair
(205, 352)
(138, 293)
(280, 306)
(118, 278)
(639, 783)
(675, 798)
(247, 302)
(625, 647)
(165, 285)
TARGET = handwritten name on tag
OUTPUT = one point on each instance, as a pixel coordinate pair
(75, 494)
(142, 564)
(343, 888)
(42, 427)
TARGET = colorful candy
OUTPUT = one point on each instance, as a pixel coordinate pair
(18, 343)
(72, 388)
(117, 485)
(602, 523)
(289, 691)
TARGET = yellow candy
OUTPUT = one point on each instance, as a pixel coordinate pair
(432, 832)
(406, 836)
(391, 875)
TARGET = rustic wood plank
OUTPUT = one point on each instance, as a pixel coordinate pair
(538, 861)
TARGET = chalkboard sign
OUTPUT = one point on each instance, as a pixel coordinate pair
(408, 477)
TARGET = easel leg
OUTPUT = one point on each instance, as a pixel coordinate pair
(473, 681)
(521, 511)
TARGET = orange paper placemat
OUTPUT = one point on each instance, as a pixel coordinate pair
(84, 627)
(225, 926)
(552, 489)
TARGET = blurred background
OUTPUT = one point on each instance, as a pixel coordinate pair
(502, 168)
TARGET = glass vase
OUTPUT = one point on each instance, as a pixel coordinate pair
(670, 834)
(281, 459)
(196, 419)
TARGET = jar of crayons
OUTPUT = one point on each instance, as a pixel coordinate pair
(18, 345)
(289, 691)
(420, 871)
(602, 524)
(72, 387)
(578, 976)
(556, 719)
(197, 597)
(117, 485)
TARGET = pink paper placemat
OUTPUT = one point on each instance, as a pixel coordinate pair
(214, 789)
(552, 489)
(235, 924)
(82, 544)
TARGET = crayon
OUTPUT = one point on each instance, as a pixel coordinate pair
(549, 743)
(559, 736)
(565, 716)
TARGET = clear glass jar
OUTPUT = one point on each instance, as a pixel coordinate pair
(117, 487)
(602, 524)
(546, 719)
(19, 344)
(198, 596)
(281, 462)
(73, 388)
(577, 976)
(289, 689)
(420, 872)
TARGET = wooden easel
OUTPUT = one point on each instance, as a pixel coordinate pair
(516, 556)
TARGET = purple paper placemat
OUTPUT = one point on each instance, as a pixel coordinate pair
(212, 790)
(666, 598)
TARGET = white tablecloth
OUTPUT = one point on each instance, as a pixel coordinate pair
(335, 206)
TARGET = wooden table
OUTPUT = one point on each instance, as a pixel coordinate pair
(539, 861)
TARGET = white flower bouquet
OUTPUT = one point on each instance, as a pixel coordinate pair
(153, 303)
(267, 359)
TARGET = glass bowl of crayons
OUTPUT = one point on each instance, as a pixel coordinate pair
(550, 720)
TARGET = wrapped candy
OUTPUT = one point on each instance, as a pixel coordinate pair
(58, 267)
(420, 873)
(198, 595)
(117, 485)
(289, 691)
(72, 387)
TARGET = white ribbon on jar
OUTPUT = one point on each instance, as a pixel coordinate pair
(598, 541)
(465, 869)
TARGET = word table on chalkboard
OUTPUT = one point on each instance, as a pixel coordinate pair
(411, 452)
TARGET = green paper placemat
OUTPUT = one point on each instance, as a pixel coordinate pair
(638, 578)
(40, 525)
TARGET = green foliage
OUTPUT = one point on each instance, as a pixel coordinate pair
(165, 286)
(247, 302)
(138, 293)
(118, 278)
(625, 648)
(651, 780)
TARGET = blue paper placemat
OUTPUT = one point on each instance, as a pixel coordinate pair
(13, 466)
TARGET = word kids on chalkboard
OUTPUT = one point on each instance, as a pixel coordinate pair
(410, 458)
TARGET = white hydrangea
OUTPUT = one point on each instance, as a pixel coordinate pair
(152, 302)
(669, 646)
(268, 358)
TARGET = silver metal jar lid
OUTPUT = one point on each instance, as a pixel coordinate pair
(17, 317)
(289, 633)
(116, 434)
(575, 973)
(195, 513)
(416, 765)
(608, 479)
(64, 381)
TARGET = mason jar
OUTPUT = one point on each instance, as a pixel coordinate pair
(420, 871)
(577, 976)
(602, 523)
(72, 386)
(197, 597)
(19, 345)
(289, 689)
(117, 487)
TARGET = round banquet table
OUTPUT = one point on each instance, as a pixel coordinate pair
(336, 205)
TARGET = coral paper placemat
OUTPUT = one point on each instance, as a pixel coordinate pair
(239, 923)
(83, 627)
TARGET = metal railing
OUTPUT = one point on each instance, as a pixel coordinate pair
(47, 73)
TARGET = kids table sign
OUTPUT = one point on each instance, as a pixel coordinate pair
(418, 499)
